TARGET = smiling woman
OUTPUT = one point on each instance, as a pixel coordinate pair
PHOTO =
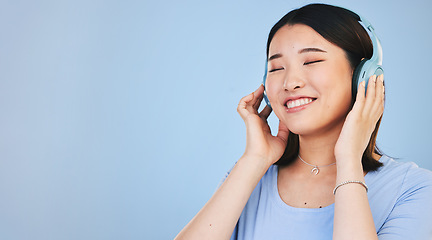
(321, 176)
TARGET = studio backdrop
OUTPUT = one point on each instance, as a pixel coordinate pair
(118, 118)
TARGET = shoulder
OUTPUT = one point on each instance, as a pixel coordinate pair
(406, 174)
(400, 196)
(396, 182)
(416, 182)
(399, 179)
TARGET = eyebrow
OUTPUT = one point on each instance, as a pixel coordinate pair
(277, 55)
(304, 50)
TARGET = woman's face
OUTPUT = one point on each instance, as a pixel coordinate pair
(309, 81)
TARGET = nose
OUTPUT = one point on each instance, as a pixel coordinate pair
(293, 81)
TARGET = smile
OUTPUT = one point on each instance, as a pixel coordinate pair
(298, 102)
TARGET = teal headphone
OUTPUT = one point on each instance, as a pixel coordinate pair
(365, 69)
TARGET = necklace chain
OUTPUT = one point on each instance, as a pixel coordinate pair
(316, 168)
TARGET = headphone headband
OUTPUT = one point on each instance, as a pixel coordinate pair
(377, 49)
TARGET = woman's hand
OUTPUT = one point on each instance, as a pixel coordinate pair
(361, 120)
(260, 143)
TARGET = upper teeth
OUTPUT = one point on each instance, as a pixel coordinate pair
(298, 102)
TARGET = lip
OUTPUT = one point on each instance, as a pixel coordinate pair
(298, 108)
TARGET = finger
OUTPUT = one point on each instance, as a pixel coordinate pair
(247, 103)
(360, 98)
(265, 112)
(379, 92)
(379, 102)
(370, 94)
(380, 86)
(242, 106)
(258, 97)
(283, 132)
(258, 101)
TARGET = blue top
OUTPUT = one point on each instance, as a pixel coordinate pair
(400, 197)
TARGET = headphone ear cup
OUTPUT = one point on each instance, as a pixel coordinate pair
(264, 82)
(356, 76)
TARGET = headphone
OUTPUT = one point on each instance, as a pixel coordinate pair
(365, 69)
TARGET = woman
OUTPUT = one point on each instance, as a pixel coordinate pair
(283, 187)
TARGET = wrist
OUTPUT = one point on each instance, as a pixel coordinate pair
(349, 168)
(348, 160)
(258, 162)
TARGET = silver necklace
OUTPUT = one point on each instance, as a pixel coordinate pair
(316, 168)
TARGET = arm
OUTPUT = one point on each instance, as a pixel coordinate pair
(217, 219)
(353, 217)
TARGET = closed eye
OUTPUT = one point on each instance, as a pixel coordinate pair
(311, 62)
(276, 69)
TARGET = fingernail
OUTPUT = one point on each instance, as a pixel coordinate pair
(374, 78)
(363, 84)
(382, 77)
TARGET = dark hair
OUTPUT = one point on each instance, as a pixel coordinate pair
(342, 28)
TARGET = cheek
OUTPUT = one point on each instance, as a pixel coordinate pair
(339, 95)
(333, 86)
(335, 77)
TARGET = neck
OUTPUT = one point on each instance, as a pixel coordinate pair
(319, 149)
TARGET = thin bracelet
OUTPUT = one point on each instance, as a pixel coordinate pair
(347, 182)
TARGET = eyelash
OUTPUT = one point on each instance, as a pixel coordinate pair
(276, 69)
(317, 61)
(306, 63)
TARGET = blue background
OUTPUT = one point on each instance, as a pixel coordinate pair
(118, 118)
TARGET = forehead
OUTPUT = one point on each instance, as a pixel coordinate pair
(298, 36)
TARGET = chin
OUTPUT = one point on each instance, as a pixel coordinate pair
(317, 127)
(303, 128)
(301, 131)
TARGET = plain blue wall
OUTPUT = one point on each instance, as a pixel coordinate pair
(118, 118)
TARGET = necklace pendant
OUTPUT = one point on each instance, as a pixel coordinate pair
(315, 170)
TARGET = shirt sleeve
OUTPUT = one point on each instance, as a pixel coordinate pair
(411, 216)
